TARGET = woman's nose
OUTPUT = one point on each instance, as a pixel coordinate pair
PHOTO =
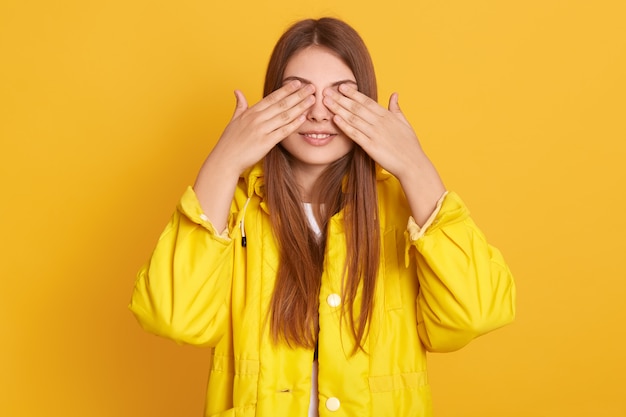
(318, 112)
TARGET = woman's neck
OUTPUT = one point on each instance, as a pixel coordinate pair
(306, 177)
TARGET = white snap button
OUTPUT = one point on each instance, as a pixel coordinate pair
(204, 217)
(333, 300)
(333, 404)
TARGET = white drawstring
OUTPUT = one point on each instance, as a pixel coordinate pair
(242, 224)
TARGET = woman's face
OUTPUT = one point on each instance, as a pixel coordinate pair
(318, 142)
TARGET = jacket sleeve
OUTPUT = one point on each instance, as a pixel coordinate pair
(183, 292)
(466, 288)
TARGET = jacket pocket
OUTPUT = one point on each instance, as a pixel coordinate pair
(406, 394)
(409, 380)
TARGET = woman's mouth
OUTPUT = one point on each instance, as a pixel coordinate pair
(317, 139)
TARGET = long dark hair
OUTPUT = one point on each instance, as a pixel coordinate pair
(348, 184)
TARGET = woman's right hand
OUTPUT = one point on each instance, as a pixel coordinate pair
(248, 137)
(253, 132)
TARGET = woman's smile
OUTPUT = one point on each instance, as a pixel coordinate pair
(317, 138)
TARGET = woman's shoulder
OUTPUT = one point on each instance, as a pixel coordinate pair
(392, 203)
(388, 186)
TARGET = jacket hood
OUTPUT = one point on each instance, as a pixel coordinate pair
(255, 180)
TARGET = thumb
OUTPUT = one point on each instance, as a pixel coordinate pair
(241, 105)
(394, 107)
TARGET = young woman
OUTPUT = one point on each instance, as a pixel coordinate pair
(318, 252)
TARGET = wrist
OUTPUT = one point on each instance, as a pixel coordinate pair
(423, 188)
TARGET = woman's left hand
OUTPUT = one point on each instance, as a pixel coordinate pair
(385, 134)
(388, 138)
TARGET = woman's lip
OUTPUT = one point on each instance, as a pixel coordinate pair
(317, 138)
(317, 135)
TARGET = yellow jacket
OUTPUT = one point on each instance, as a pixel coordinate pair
(434, 293)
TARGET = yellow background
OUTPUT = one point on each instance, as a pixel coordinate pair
(108, 109)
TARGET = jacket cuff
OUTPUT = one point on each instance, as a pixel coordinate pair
(190, 207)
(450, 209)
(414, 230)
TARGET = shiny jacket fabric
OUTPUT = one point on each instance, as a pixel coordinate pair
(434, 293)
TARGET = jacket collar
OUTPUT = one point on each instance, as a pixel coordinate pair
(254, 178)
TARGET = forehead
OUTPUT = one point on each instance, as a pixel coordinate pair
(318, 65)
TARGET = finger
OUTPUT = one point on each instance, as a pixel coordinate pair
(394, 105)
(241, 104)
(294, 99)
(286, 116)
(352, 132)
(285, 130)
(364, 101)
(355, 120)
(279, 94)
